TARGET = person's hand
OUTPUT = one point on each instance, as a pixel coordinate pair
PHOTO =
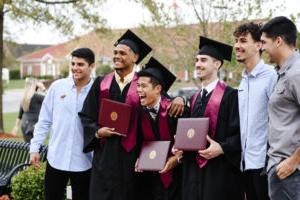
(177, 152)
(286, 168)
(108, 132)
(176, 107)
(214, 150)
(136, 167)
(14, 131)
(35, 159)
(171, 163)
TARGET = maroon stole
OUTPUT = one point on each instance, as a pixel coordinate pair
(211, 111)
(132, 99)
(164, 133)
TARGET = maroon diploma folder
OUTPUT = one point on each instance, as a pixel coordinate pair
(191, 134)
(153, 155)
(115, 114)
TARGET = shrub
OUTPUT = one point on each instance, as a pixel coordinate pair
(45, 77)
(14, 74)
(29, 184)
(64, 71)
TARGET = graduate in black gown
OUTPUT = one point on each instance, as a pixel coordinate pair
(213, 173)
(113, 176)
(155, 125)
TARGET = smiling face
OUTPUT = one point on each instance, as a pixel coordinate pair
(206, 67)
(148, 91)
(123, 58)
(81, 69)
(269, 46)
(246, 48)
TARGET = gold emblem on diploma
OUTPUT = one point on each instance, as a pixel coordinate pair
(152, 154)
(190, 133)
(113, 116)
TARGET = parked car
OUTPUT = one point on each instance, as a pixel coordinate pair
(187, 92)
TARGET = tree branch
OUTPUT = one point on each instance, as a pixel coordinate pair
(196, 12)
(57, 2)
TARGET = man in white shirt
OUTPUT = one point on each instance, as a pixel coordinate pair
(258, 80)
(59, 113)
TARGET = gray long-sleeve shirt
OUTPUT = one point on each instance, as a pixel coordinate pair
(284, 112)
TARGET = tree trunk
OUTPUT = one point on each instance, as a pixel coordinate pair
(1, 65)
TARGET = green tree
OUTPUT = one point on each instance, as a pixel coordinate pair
(61, 13)
(216, 19)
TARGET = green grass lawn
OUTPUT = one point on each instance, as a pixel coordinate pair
(9, 120)
(14, 84)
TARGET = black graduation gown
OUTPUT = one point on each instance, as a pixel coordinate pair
(112, 176)
(220, 178)
(150, 186)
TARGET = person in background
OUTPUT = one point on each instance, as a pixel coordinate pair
(256, 87)
(59, 113)
(31, 103)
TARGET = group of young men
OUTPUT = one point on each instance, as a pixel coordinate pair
(262, 115)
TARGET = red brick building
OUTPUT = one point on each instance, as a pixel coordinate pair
(45, 62)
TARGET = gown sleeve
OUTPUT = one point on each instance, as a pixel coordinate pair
(232, 144)
(89, 116)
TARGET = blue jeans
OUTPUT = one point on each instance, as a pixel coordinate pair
(286, 189)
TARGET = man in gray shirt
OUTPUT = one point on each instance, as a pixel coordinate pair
(279, 42)
(258, 80)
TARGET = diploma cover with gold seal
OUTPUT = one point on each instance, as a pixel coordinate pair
(153, 155)
(115, 114)
(191, 134)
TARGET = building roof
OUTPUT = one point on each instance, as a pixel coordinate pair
(57, 51)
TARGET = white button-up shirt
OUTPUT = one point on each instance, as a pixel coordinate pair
(254, 92)
(127, 79)
(59, 115)
(210, 87)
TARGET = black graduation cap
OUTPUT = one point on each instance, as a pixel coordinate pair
(136, 44)
(156, 70)
(215, 49)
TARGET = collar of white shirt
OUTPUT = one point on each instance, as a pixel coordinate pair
(86, 87)
(210, 87)
(127, 79)
(156, 106)
(256, 70)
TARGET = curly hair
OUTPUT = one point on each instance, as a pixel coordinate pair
(252, 28)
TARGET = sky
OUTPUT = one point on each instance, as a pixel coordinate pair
(114, 12)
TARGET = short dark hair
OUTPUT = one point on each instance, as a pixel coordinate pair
(153, 80)
(250, 27)
(85, 53)
(281, 27)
